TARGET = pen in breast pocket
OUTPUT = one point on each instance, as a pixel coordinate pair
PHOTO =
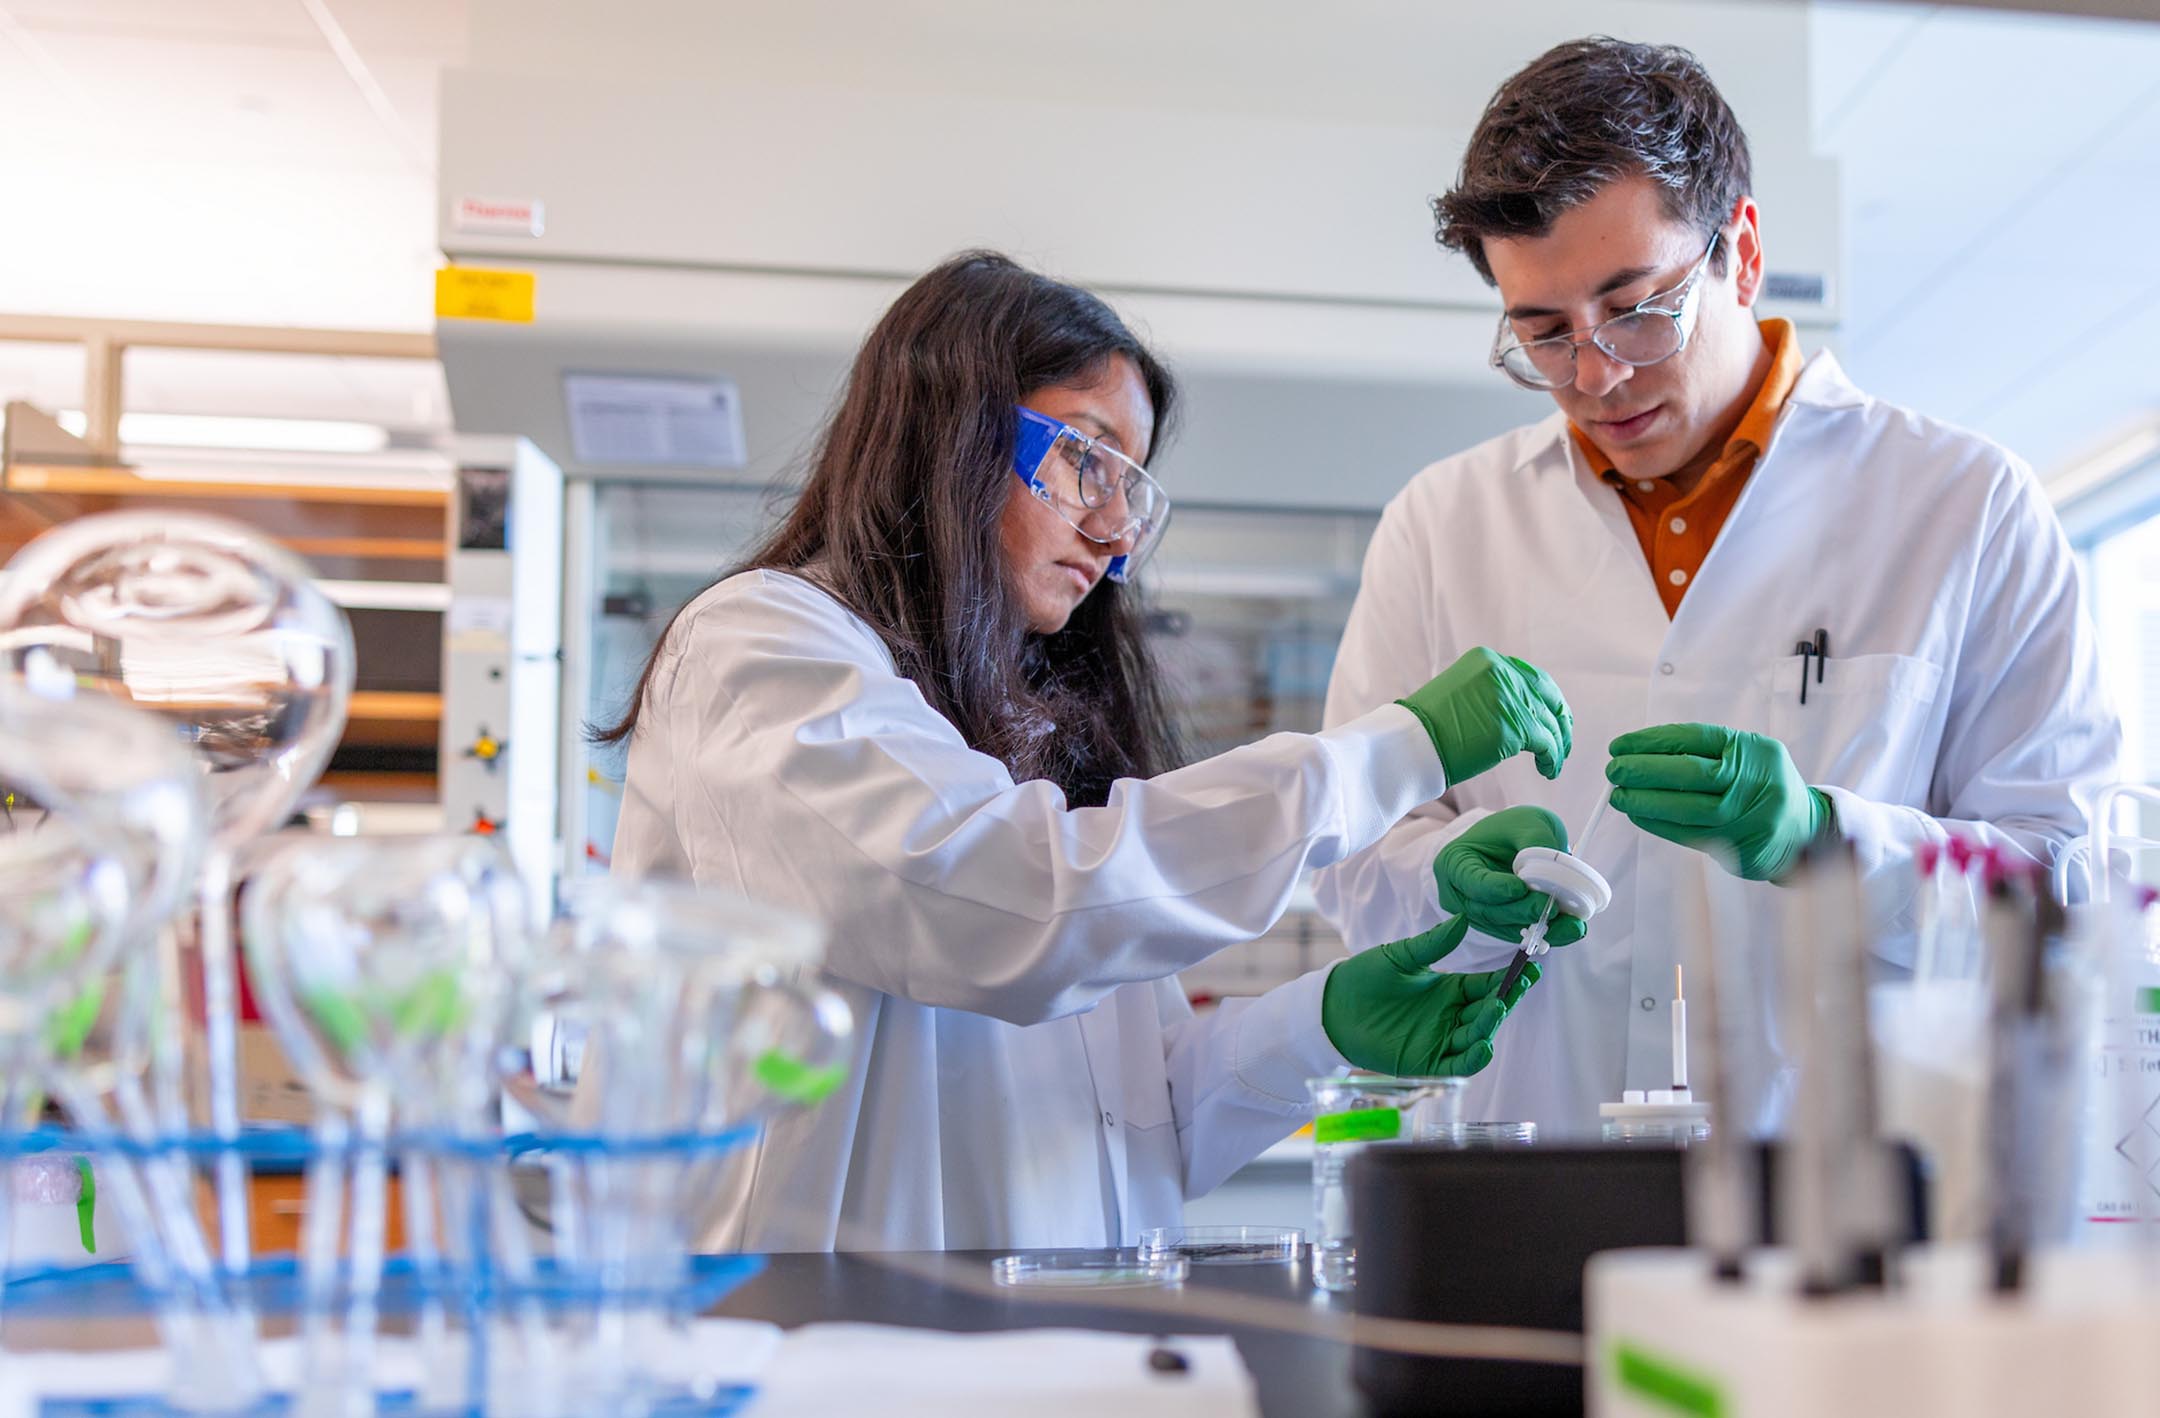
(1818, 650)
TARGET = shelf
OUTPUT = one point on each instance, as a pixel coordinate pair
(104, 481)
(395, 705)
(346, 531)
(379, 786)
(366, 545)
(393, 719)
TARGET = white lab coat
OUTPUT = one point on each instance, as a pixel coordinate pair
(1026, 1071)
(1962, 693)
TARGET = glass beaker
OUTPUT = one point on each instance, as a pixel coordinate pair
(698, 1014)
(1351, 1113)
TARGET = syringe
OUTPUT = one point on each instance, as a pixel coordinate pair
(1533, 941)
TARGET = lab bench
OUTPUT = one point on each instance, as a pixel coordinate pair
(1295, 1375)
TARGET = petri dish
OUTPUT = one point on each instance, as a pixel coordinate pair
(1474, 1135)
(1090, 1270)
(1224, 1245)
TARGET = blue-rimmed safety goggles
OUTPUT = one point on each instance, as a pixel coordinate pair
(1104, 495)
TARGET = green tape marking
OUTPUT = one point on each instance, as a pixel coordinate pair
(795, 1080)
(1666, 1385)
(2148, 1000)
(435, 1006)
(339, 1017)
(1358, 1125)
(78, 936)
(86, 1206)
(68, 1028)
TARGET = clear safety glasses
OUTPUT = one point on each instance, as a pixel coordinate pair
(1103, 494)
(1654, 331)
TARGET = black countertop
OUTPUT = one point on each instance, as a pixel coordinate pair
(1298, 1376)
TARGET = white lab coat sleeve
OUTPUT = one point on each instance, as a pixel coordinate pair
(1392, 644)
(1237, 1074)
(2030, 732)
(945, 882)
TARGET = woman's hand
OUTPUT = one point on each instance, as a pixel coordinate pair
(1386, 1010)
(1486, 708)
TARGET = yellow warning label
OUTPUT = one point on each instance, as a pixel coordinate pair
(470, 293)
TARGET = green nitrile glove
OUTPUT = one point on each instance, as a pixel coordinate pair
(1486, 708)
(1386, 1010)
(1477, 877)
(1733, 794)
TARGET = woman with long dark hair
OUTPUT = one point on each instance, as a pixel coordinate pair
(923, 711)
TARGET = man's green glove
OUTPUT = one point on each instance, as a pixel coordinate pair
(1477, 877)
(1385, 1009)
(1486, 708)
(1735, 795)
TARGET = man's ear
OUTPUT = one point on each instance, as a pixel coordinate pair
(1747, 255)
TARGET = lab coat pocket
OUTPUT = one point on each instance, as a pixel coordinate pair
(1866, 723)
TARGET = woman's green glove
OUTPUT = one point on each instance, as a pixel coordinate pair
(1486, 708)
(1386, 1010)
(1477, 877)
(1730, 793)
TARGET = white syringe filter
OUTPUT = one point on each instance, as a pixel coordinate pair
(1574, 885)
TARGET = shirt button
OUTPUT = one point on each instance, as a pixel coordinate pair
(1110, 1122)
(1679, 525)
(1649, 1002)
(1646, 486)
(1666, 668)
(1678, 577)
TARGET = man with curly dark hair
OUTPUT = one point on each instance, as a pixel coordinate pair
(1796, 613)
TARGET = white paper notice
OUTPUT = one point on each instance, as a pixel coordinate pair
(655, 420)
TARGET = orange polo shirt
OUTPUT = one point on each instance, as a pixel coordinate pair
(1676, 529)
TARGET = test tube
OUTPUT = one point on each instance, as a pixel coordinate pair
(1679, 1030)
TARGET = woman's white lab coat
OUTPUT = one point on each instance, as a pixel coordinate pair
(1962, 694)
(1026, 1070)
